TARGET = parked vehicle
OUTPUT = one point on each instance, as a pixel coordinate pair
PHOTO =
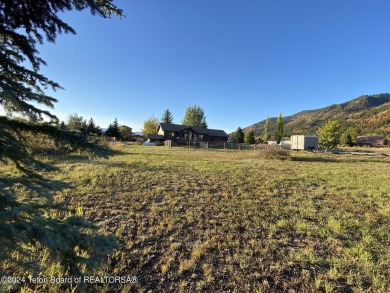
(304, 142)
(149, 143)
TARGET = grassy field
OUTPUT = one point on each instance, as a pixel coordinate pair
(223, 220)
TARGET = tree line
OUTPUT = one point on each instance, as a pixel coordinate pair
(249, 136)
(194, 116)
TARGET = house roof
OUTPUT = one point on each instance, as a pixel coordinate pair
(370, 139)
(216, 132)
(171, 127)
(197, 129)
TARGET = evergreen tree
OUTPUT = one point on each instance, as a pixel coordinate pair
(84, 127)
(194, 116)
(91, 128)
(108, 131)
(167, 117)
(329, 134)
(279, 129)
(250, 137)
(239, 135)
(28, 222)
(115, 129)
(62, 125)
(265, 136)
(24, 25)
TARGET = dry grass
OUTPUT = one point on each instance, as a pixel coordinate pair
(224, 220)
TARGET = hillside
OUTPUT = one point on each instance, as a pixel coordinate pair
(369, 114)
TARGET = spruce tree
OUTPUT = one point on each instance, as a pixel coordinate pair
(279, 129)
(28, 222)
(91, 128)
(24, 25)
(167, 117)
(115, 129)
(239, 135)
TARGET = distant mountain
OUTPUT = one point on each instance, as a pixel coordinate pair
(369, 114)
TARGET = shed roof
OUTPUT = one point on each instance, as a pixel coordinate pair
(374, 140)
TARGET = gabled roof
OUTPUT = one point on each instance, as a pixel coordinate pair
(216, 132)
(199, 129)
(172, 127)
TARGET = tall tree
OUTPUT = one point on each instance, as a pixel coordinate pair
(167, 117)
(239, 135)
(194, 116)
(91, 127)
(329, 134)
(250, 137)
(279, 129)
(113, 129)
(265, 136)
(23, 26)
(74, 122)
(150, 126)
(27, 224)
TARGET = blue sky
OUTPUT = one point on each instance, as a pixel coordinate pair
(239, 60)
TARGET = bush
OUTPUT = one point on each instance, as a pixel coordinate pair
(274, 153)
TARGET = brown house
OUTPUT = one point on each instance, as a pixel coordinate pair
(372, 141)
(177, 132)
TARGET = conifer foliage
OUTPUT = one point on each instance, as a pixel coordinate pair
(38, 233)
(23, 25)
(167, 117)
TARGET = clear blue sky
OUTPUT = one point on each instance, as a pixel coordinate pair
(239, 60)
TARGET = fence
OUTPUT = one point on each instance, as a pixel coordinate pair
(222, 145)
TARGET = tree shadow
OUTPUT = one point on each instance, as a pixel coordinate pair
(39, 235)
(315, 159)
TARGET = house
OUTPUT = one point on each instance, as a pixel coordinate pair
(177, 132)
(372, 141)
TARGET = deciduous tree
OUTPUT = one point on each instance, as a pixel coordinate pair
(329, 134)
(250, 137)
(279, 129)
(194, 116)
(150, 126)
(266, 135)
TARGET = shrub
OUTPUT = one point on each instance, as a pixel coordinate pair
(274, 153)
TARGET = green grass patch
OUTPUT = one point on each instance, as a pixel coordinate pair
(229, 220)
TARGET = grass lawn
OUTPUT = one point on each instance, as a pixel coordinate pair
(228, 220)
